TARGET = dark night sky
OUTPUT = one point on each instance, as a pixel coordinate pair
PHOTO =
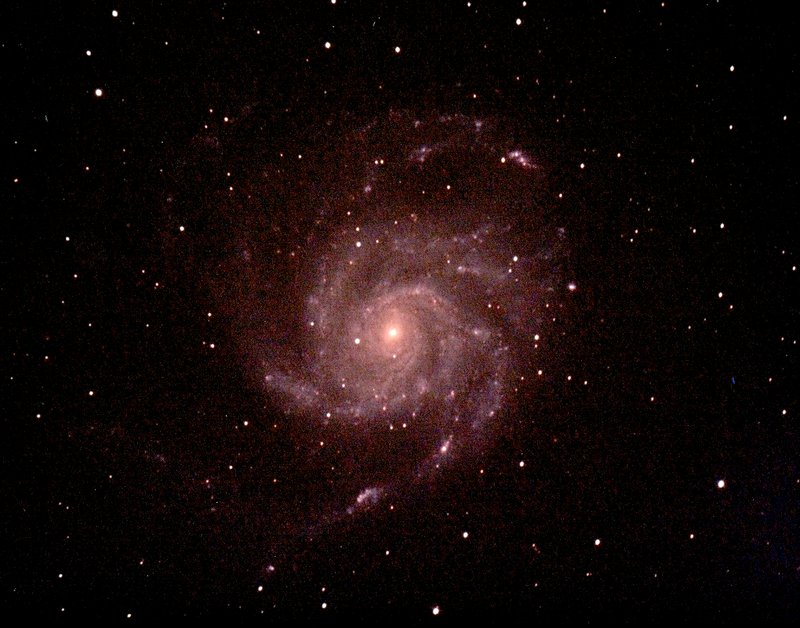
(181, 177)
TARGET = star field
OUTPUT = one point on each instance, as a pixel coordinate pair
(363, 310)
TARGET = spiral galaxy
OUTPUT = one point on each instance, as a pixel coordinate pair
(402, 303)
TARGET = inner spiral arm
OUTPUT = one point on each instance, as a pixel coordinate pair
(402, 327)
